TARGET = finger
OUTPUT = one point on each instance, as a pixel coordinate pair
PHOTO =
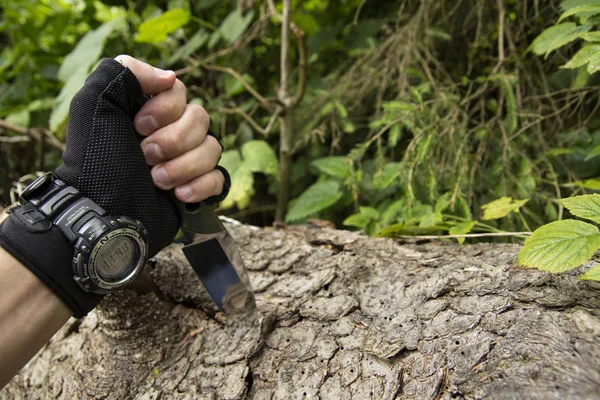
(161, 110)
(176, 139)
(188, 166)
(201, 188)
(153, 80)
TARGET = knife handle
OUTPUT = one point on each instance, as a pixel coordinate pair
(197, 217)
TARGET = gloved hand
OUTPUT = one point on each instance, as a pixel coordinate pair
(106, 160)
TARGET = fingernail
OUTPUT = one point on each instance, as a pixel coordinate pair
(162, 73)
(161, 177)
(184, 192)
(153, 153)
(146, 125)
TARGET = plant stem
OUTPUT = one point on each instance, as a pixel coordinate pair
(285, 162)
(286, 124)
(468, 235)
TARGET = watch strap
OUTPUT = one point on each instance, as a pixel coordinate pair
(48, 255)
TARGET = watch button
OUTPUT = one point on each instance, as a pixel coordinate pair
(79, 263)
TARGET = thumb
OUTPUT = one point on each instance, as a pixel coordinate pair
(152, 80)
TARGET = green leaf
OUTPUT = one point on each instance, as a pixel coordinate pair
(20, 118)
(259, 156)
(63, 101)
(395, 106)
(391, 213)
(388, 175)
(560, 246)
(510, 122)
(592, 275)
(569, 4)
(231, 160)
(462, 229)
(87, 51)
(190, 47)
(394, 135)
(443, 202)
(306, 22)
(431, 219)
(235, 24)
(584, 56)
(242, 180)
(591, 184)
(370, 212)
(591, 36)
(338, 167)
(587, 10)
(357, 220)
(593, 153)
(501, 208)
(316, 198)
(586, 206)
(557, 36)
(155, 30)
(559, 152)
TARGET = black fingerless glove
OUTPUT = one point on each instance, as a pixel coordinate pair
(104, 161)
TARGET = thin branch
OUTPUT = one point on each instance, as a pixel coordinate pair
(251, 121)
(254, 30)
(302, 68)
(287, 24)
(35, 133)
(501, 34)
(276, 114)
(279, 17)
(466, 236)
(264, 102)
(285, 54)
(15, 139)
(358, 10)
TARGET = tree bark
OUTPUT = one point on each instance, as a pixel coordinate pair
(346, 317)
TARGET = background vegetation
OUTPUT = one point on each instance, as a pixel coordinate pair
(397, 117)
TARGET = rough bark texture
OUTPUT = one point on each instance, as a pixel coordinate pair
(347, 317)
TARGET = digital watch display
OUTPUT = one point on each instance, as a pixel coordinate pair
(109, 252)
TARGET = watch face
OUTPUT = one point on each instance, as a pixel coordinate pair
(116, 258)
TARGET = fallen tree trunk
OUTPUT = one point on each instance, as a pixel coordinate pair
(346, 317)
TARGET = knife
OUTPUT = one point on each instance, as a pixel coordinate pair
(214, 256)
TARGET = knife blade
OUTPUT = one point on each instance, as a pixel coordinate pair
(214, 256)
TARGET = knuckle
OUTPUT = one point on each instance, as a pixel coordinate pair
(169, 107)
(199, 113)
(171, 142)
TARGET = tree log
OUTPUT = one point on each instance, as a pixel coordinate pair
(345, 317)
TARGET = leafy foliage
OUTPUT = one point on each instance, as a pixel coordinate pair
(413, 122)
(502, 207)
(156, 29)
(560, 246)
(316, 198)
(563, 245)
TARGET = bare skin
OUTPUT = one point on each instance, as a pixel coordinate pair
(183, 158)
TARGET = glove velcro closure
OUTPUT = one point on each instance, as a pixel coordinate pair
(48, 255)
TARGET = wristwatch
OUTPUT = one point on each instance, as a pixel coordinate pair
(109, 252)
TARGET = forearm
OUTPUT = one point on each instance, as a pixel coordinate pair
(30, 314)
